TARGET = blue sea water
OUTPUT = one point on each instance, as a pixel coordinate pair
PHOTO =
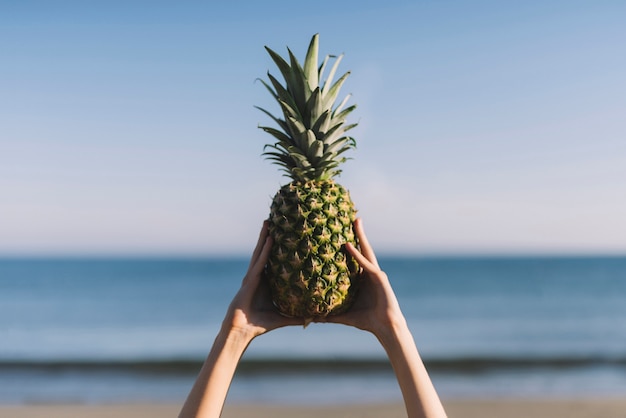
(109, 330)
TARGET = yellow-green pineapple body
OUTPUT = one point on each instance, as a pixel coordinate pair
(309, 271)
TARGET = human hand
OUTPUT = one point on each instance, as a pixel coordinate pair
(249, 315)
(251, 311)
(376, 308)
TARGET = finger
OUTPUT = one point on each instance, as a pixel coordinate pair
(366, 248)
(366, 264)
(253, 276)
(261, 260)
(259, 245)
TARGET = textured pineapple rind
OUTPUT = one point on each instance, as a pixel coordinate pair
(309, 272)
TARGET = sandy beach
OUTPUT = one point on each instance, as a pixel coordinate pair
(592, 408)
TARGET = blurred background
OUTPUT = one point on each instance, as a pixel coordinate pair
(489, 173)
(129, 127)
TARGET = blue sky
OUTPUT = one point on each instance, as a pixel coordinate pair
(484, 126)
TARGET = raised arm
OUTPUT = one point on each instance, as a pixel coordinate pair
(249, 315)
(377, 310)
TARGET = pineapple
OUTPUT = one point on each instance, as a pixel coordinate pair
(310, 273)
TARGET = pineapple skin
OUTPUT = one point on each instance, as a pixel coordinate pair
(309, 272)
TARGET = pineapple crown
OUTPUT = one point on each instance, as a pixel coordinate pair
(312, 135)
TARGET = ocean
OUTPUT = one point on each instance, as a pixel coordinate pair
(124, 330)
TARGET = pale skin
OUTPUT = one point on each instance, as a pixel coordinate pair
(251, 314)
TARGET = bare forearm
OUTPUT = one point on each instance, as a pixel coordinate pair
(208, 394)
(420, 398)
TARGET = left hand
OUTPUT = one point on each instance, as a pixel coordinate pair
(251, 311)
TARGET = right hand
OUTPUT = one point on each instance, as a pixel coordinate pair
(376, 308)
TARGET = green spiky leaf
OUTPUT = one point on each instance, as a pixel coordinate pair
(311, 131)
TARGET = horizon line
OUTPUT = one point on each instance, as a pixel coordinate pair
(241, 255)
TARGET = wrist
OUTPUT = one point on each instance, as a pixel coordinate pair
(235, 336)
(393, 330)
(236, 323)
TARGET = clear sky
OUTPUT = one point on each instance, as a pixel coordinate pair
(128, 127)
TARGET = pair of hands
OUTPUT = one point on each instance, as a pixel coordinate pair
(375, 309)
(251, 314)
